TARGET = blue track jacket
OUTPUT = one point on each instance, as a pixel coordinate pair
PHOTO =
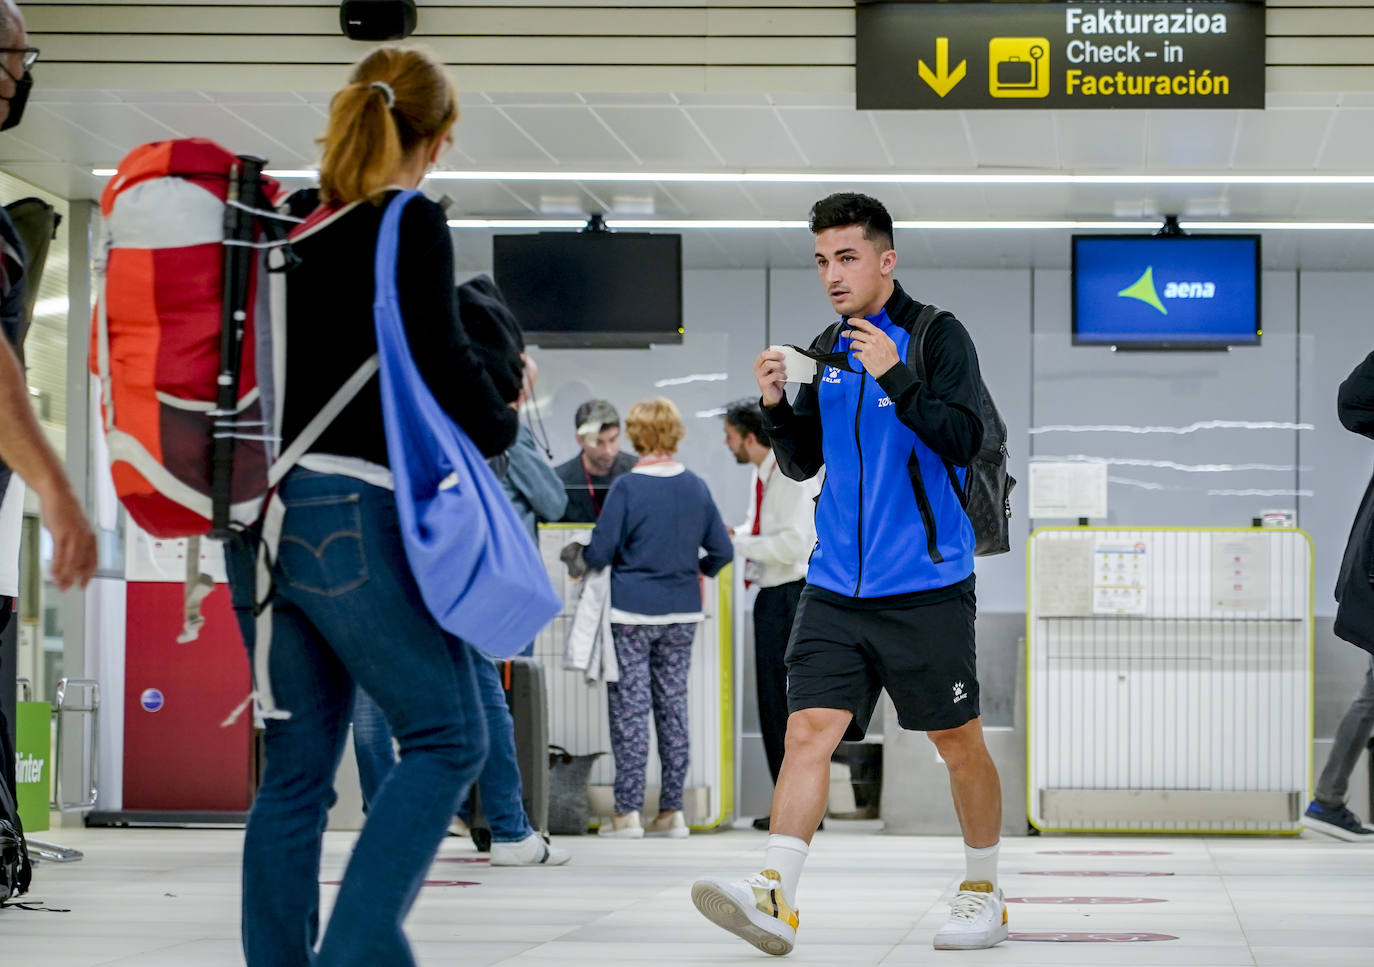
(888, 520)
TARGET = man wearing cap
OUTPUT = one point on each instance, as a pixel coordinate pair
(589, 475)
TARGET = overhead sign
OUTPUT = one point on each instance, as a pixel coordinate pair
(1123, 54)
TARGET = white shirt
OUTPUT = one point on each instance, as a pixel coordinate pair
(787, 528)
(11, 530)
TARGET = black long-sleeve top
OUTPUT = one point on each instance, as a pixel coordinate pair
(330, 331)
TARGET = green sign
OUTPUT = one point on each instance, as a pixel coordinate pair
(1121, 54)
(32, 755)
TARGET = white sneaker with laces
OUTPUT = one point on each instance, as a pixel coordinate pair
(977, 918)
(753, 909)
(531, 851)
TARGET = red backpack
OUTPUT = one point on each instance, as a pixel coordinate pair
(182, 339)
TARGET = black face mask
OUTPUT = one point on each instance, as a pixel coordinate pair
(17, 101)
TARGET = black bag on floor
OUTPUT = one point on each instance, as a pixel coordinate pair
(523, 679)
(16, 871)
(570, 812)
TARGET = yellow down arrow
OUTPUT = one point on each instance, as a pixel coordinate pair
(941, 80)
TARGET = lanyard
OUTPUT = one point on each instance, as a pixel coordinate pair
(591, 490)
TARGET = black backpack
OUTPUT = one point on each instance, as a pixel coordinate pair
(15, 869)
(986, 495)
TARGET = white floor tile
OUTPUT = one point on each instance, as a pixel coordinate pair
(155, 898)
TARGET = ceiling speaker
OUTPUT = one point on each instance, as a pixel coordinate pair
(377, 19)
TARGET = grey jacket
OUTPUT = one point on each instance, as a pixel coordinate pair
(530, 483)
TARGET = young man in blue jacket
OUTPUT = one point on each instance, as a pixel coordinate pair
(889, 597)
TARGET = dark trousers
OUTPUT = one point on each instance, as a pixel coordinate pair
(774, 610)
(7, 737)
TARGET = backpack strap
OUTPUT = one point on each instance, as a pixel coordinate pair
(916, 348)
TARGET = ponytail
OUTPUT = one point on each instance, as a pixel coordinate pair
(396, 100)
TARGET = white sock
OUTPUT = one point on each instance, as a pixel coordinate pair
(981, 863)
(786, 855)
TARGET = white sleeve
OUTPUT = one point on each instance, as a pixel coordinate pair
(792, 542)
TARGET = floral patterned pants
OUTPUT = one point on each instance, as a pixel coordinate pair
(654, 661)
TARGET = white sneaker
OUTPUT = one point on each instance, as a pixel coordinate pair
(977, 918)
(753, 909)
(672, 825)
(623, 827)
(530, 851)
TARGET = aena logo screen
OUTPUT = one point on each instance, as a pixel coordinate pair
(1186, 291)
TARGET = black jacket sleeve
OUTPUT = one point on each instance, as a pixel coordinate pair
(946, 412)
(1355, 400)
(794, 429)
(441, 348)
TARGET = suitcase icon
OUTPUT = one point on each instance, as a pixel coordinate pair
(1015, 72)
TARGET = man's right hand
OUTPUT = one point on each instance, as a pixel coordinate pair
(770, 374)
(74, 552)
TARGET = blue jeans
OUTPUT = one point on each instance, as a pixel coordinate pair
(499, 784)
(347, 611)
(372, 746)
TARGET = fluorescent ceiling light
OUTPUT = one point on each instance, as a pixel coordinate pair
(864, 177)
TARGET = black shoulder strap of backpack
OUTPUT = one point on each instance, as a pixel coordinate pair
(830, 336)
(916, 348)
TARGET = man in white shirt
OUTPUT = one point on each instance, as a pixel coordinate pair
(776, 542)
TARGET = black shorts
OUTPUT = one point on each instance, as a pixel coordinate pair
(924, 655)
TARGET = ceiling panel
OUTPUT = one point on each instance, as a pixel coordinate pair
(15, 146)
(1100, 139)
(726, 200)
(572, 135)
(122, 125)
(925, 140)
(1190, 139)
(488, 137)
(1350, 142)
(661, 137)
(748, 137)
(1011, 139)
(836, 138)
(294, 125)
(1279, 140)
(62, 139)
(219, 124)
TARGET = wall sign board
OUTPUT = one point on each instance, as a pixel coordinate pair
(964, 56)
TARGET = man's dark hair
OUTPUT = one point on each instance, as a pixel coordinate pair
(851, 208)
(746, 417)
(600, 411)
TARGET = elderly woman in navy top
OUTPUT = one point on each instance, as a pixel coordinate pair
(656, 521)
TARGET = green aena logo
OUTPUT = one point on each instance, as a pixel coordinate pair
(1145, 290)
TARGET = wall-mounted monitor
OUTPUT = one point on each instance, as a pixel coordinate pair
(1167, 291)
(593, 289)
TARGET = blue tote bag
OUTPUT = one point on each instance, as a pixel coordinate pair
(479, 573)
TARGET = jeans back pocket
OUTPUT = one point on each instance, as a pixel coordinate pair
(321, 548)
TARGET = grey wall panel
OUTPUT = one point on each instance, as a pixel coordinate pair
(723, 313)
(1176, 473)
(1336, 321)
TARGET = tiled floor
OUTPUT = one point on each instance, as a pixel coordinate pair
(168, 898)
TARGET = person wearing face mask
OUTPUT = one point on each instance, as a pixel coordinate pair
(26, 457)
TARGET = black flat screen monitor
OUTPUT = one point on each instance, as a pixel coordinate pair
(592, 289)
(1166, 292)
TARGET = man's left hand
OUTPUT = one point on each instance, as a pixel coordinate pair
(872, 347)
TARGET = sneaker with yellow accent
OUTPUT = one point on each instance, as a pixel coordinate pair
(753, 909)
(977, 918)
